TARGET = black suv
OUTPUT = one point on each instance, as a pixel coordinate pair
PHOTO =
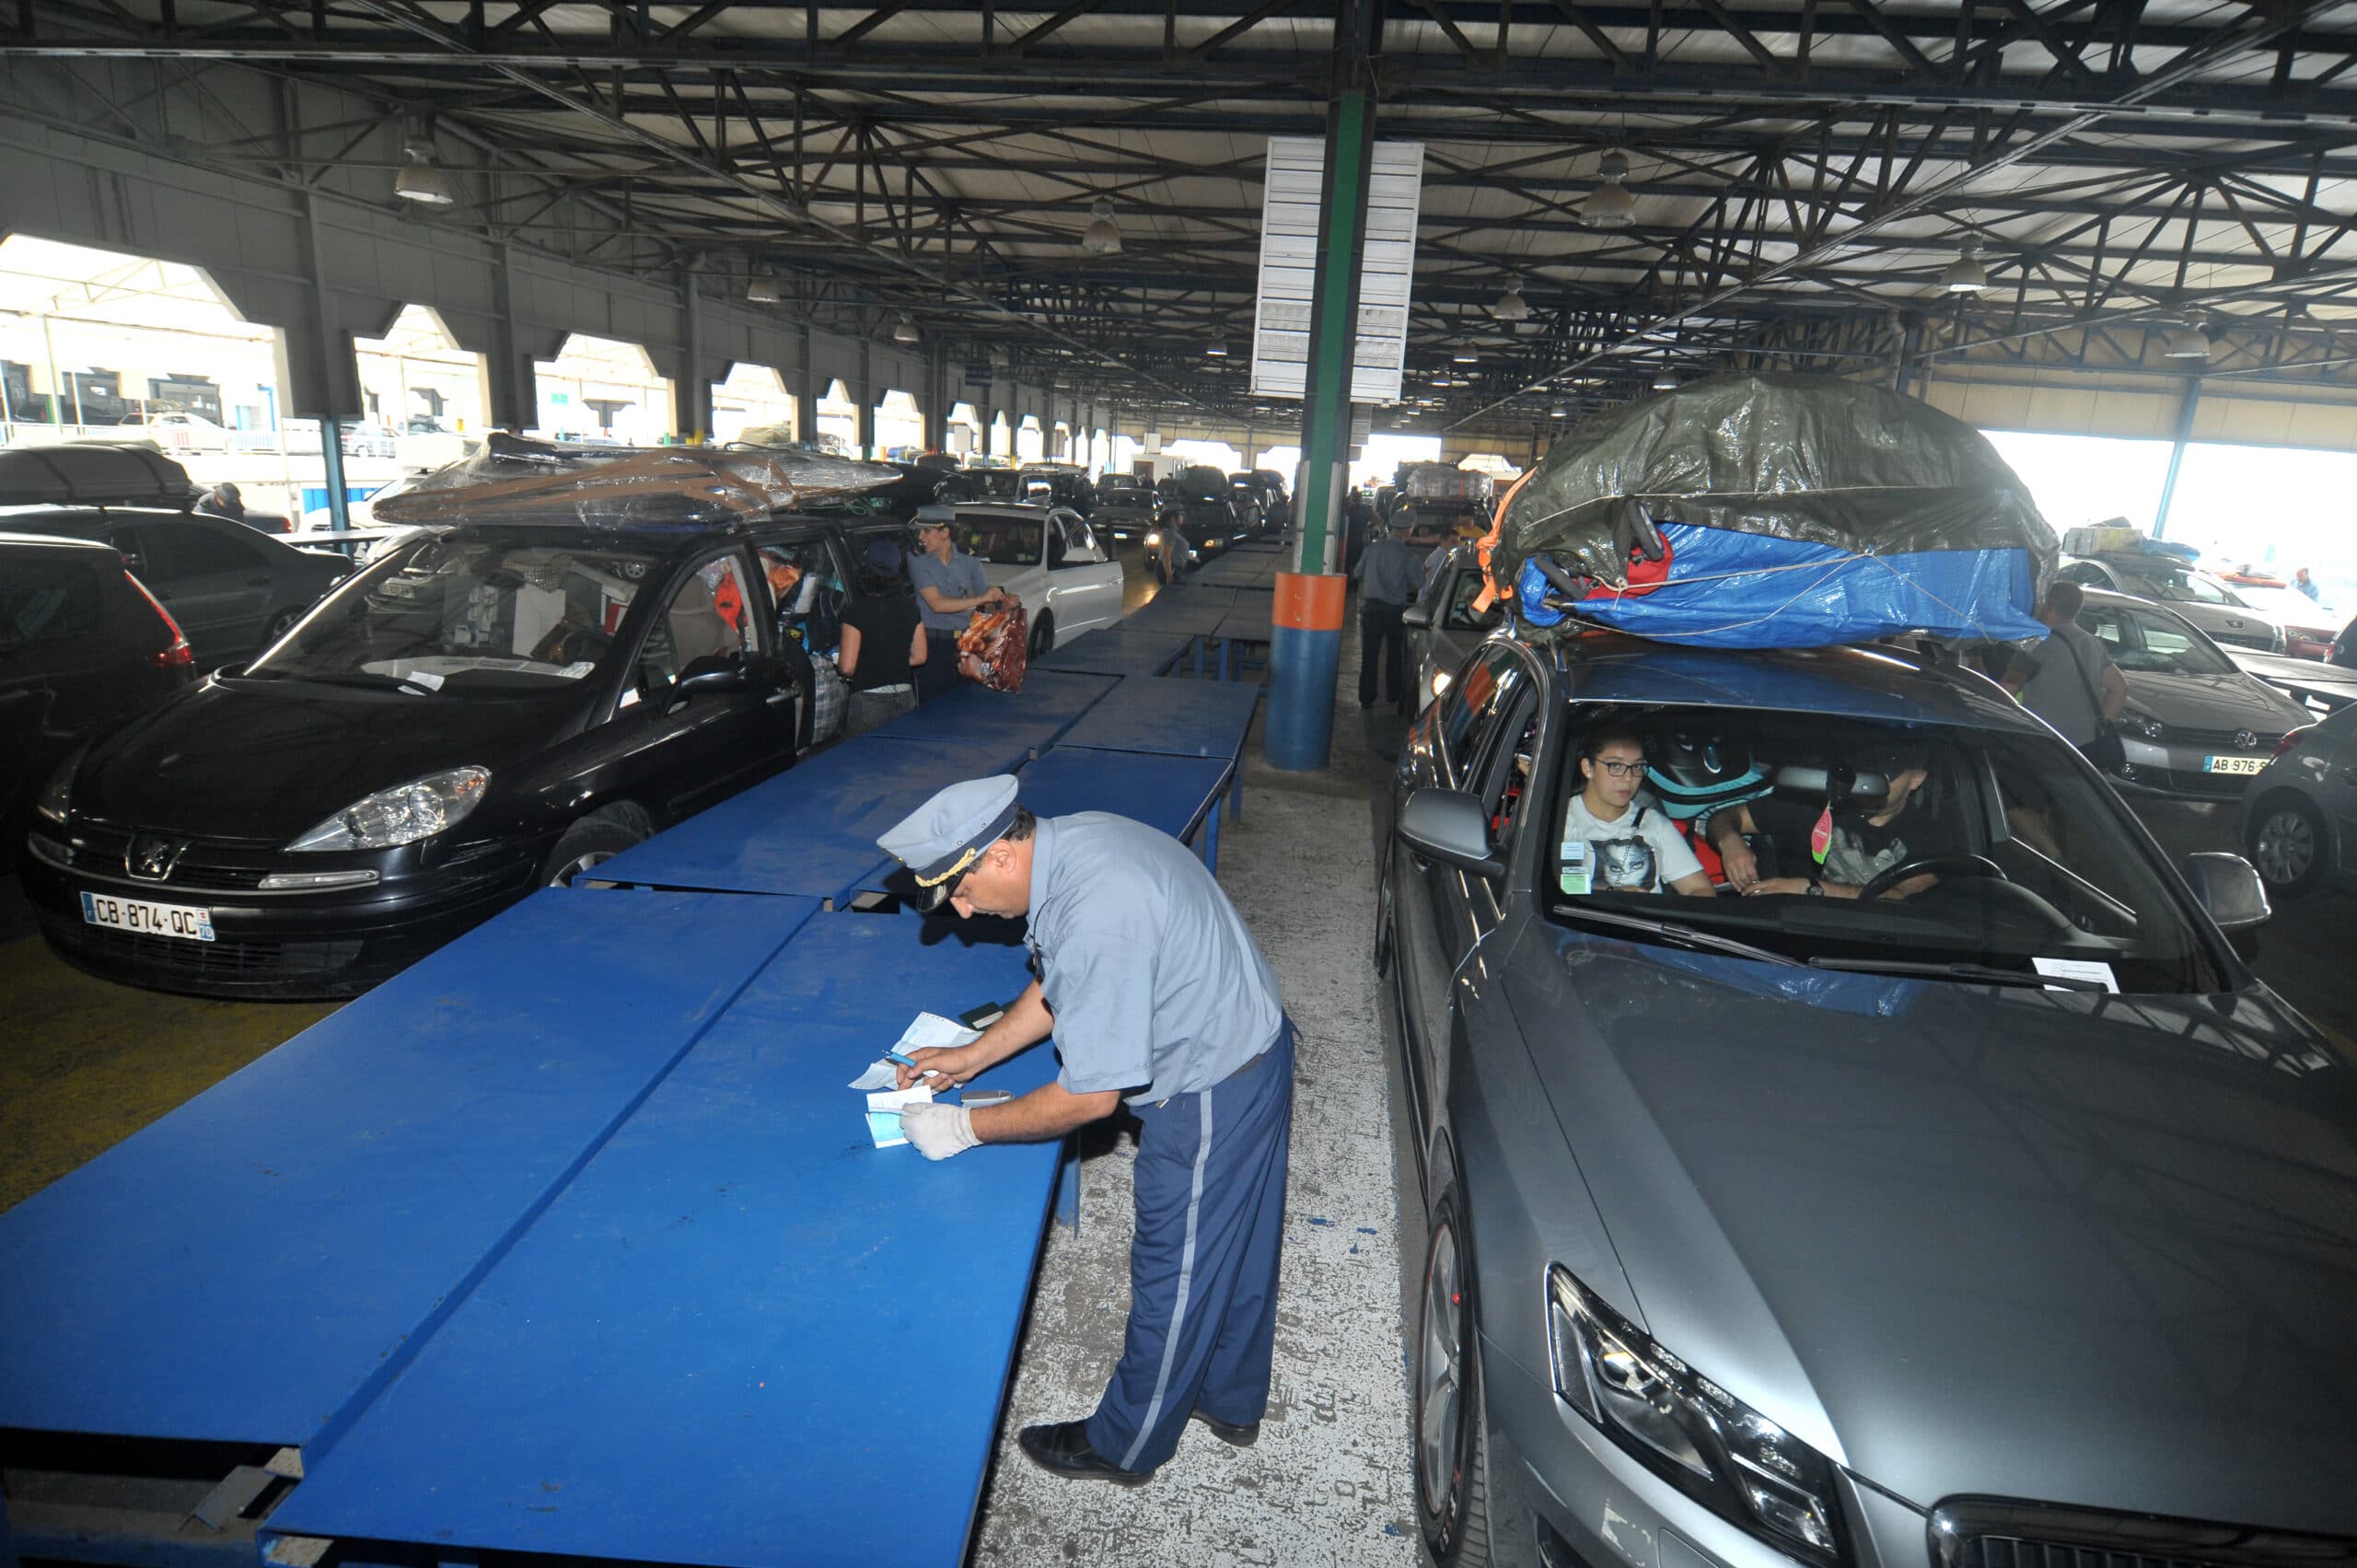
(487, 709)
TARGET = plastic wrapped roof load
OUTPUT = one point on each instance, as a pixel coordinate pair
(1774, 511)
(513, 479)
(1442, 481)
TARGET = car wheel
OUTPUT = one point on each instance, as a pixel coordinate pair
(1452, 1449)
(1043, 636)
(586, 845)
(279, 624)
(2287, 845)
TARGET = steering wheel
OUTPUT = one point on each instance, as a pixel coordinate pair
(1943, 865)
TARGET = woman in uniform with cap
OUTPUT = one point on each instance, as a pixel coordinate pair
(1155, 993)
(950, 584)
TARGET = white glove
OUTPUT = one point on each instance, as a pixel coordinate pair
(939, 1131)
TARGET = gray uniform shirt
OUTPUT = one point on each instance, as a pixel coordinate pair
(1157, 986)
(962, 576)
(2060, 693)
(1389, 573)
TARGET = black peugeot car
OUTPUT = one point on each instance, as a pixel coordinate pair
(487, 710)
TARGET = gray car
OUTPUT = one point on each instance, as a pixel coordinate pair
(2199, 597)
(2005, 1219)
(2197, 725)
(1443, 625)
(2299, 818)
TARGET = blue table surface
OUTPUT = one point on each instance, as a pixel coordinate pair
(812, 828)
(1185, 613)
(253, 1265)
(744, 1336)
(1186, 718)
(1245, 626)
(1118, 650)
(1173, 793)
(1030, 719)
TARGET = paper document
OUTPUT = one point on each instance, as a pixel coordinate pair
(2095, 970)
(931, 1030)
(884, 1114)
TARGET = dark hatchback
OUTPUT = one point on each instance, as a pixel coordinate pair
(484, 711)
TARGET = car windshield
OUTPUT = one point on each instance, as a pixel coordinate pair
(2179, 586)
(1119, 485)
(2140, 639)
(1003, 542)
(452, 615)
(1931, 847)
(1460, 615)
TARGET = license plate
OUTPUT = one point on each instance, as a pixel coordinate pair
(2233, 764)
(149, 920)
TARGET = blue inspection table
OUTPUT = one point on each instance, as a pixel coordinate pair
(1178, 795)
(256, 1265)
(1191, 613)
(812, 828)
(1177, 718)
(744, 1336)
(1120, 650)
(1032, 719)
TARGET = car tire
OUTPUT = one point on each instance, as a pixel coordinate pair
(586, 844)
(1445, 1400)
(1043, 637)
(279, 624)
(2287, 845)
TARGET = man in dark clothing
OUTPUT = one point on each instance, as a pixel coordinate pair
(222, 501)
(1389, 577)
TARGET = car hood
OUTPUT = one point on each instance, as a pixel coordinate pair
(2046, 1245)
(271, 759)
(2233, 701)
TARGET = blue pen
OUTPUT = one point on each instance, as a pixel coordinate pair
(896, 1056)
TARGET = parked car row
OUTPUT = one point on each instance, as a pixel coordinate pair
(480, 709)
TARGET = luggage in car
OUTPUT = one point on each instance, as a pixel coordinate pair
(1773, 511)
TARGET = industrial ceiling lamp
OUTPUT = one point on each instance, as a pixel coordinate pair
(1664, 380)
(420, 180)
(1103, 236)
(1966, 274)
(761, 291)
(2185, 342)
(1559, 412)
(1465, 357)
(904, 330)
(1609, 205)
(1217, 347)
(1000, 359)
(1511, 306)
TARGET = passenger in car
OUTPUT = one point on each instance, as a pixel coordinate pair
(1861, 844)
(1609, 844)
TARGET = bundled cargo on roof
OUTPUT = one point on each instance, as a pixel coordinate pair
(1774, 511)
(511, 479)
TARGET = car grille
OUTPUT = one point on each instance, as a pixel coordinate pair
(1992, 1533)
(216, 961)
(2223, 739)
(203, 866)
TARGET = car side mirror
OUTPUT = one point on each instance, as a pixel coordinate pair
(1417, 617)
(713, 672)
(2228, 886)
(1452, 827)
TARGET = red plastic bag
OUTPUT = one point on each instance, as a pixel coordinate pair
(995, 648)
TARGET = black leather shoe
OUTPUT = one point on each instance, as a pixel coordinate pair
(1227, 1432)
(1062, 1446)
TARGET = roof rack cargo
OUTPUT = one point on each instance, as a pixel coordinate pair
(91, 473)
(515, 479)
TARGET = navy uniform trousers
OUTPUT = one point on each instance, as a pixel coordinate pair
(1211, 1213)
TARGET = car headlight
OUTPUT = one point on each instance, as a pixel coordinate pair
(1153, 539)
(1440, 681)
(56, 797)
(2143, 725)
(404, 814)
(1689, 1431)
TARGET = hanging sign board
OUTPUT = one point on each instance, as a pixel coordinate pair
(1289, 268)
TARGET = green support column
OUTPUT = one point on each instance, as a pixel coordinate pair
(1306, 635)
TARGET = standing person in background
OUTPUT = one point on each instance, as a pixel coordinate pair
(884, 641)
(1468, 526)
(950, 586)
(1388, 578)
(2305, 584)
(2071, 683)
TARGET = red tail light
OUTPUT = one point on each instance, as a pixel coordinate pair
(2292, 737)
(175, 655)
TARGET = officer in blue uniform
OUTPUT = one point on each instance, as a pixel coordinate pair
(1155, 992)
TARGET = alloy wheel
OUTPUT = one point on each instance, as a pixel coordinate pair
(567, 874)
(2286, 846)
(1440, 1380)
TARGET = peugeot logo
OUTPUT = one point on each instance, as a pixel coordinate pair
(2247, 740)
(152, 856)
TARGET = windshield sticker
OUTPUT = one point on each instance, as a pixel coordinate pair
(2095, 970)
(578, 668)
(1578, 877)
(424, 678)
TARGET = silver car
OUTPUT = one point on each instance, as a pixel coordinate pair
(2199, 597)
(1986, 1211)
(2197, 725)
(2299, 818)
(1443, 625)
